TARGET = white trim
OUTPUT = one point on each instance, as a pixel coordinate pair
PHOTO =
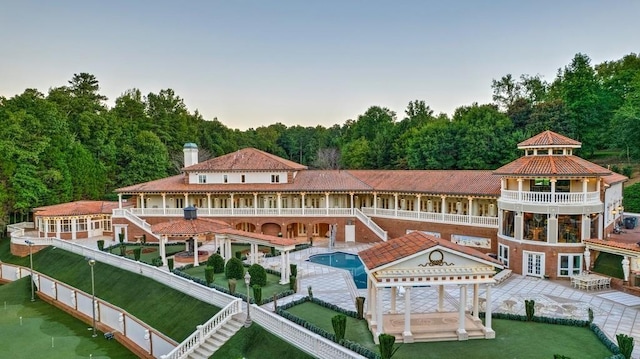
(525, 263)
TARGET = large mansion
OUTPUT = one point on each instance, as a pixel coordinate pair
(539, 215)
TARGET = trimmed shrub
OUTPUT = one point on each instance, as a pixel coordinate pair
(360, 307)
(137, 253)
(310, 292)
(234, 269)
(232, 285)
(530, 309)
(590, 312)
(339, 324)
(625, 343)
(208, 274)
(157, 262)
(386, 345)
(101, 244)
(238, 254)
(170, 264)
(257, 293)
(258, 275)
(217, 262)
(294, 269)
(293, 283)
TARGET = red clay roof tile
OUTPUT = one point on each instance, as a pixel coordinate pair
(549, 139)
(77, 208)
(246, 159)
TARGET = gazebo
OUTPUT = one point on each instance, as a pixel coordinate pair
(421, 260)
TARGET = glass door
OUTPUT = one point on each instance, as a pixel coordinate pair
(533, 264)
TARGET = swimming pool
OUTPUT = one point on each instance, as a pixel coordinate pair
(347, 261)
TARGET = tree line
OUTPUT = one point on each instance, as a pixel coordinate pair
(68, 145)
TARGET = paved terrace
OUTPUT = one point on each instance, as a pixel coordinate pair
(615, 312)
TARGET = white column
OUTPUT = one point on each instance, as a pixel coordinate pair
(186, 200)
(209, 203)
(142, 201)
(395, 204)
(326, 196)
(379, 328)
(303, 205)
(440, 298)
(120, 200)
(375, 202)
(470, 209)
(476, 289)
(462, 332)
(163, 252)
(407, 335)
(488, 331)
(232, 205)
(394, 290)
(443, 206)
(369, 297)
(283, 269)
(419, 203)
(74, 223)
(252, 253)
(351, 197)
(625, 268)
(373, 302)
(195, 251)
(279, 203)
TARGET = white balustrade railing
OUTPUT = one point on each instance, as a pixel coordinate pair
(448, 218)
(203, 332)
(548, 197)
(300, 337)
(373, 226)
(78, 302)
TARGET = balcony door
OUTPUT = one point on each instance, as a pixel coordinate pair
(533, 264)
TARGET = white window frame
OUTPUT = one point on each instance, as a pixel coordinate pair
(570, 270)
(525, 263)
(503, 254)
(202, 178)
(275, 178)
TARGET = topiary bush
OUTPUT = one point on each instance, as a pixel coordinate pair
(530, 309)
(339, 323)
(294, 269)
(101, 244)
(258, 275)
(234, 269)
(257, 293)
(217, 262)
(137, 253)
(625, 343)
(208, 274)
(386, 345)
(170, 264)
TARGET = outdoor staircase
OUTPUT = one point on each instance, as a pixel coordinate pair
(217, 339)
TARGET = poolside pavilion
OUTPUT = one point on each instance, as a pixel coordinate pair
(416, 260)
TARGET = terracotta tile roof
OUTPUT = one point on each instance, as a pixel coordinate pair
(246, 159)
(77, 208)
(189, 227)
(552, 165)
(614, 178)
(613, 244)
(549, 139)
(412, 243)
(278, 241)
(460, 182)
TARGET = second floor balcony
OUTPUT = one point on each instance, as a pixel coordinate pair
(550, 197)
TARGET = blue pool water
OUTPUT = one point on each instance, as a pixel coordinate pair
(347, 261)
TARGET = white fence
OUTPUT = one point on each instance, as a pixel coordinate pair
(144, 336)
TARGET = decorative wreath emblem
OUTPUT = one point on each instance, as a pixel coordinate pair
(436, 258)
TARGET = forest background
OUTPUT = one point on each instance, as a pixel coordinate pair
(68, 145)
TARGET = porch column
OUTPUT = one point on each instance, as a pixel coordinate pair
(373, 302)
(195, 251)
(394, 291)
(407, 335)
(164, 203)
(519, 189)
(553, 190)
(395, 205)
(352, 206)
(163, 251)
(418, 203)
(369, 298)
(252, 253)
(440, 298)
(470, 209)
(231, 205)
(326, 200)
(587, 259)
(476, 289)
(283, 269)
(462, 332)
(255, 203)
(186, 200)
(74, 223)
(379, 312)
(120, 200)
(625, 268)
(488, 331)
(142, 201)
(209, 203)
(303, 202)
(279, 203)
(443, 203)
(375, 202)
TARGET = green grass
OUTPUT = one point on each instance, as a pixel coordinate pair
(257, 343)
(171, 312)
(514, 339)
(268, 291)
(357, 329)
(609, 264)
(40, 323)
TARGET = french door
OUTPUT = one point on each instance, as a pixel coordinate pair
(533, 263)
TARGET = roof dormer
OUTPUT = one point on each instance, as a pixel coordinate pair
(549, 143)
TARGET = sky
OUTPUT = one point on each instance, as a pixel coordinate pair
(307, 63)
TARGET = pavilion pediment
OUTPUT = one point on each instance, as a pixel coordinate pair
(437, 260)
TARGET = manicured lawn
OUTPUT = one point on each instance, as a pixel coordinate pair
(256, 343)
(172, 312)
(514, 339)
(609, 264)
(268, 291)
(41, 324)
